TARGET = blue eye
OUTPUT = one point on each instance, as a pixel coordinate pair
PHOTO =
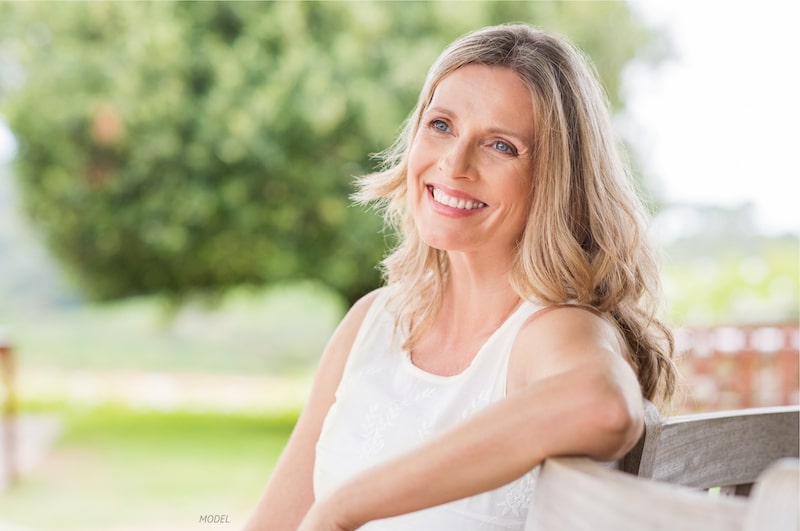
(503, 147)
(440, 125)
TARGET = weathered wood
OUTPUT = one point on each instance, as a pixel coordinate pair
(639, 460)
(576, 494)
(775, 503)
(726, 449)
(729, 448)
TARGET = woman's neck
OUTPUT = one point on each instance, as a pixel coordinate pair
(471, 312)
(478, 296)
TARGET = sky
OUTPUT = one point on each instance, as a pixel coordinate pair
(717, 124)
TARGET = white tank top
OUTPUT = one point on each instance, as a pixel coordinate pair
(385, 405)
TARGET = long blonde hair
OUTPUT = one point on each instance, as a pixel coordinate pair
(585, 238)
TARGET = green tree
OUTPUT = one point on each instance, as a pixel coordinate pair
(188, 147)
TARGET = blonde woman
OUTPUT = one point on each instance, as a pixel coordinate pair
(517, 321)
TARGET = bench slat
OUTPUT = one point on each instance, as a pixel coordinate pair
(725, 449)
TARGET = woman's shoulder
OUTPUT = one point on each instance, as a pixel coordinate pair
(357, 313)
(337, 352)
(557, 338)
(574, 328)
(362, 306)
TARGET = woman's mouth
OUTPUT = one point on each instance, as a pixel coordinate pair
(454, 202)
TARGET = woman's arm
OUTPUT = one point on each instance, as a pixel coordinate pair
(289, 492)
(576, 396)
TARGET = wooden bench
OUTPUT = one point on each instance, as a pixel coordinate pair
(577, 494)
(727, 449)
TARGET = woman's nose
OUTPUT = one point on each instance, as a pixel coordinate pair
(456, 162)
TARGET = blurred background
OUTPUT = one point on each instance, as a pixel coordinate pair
(177, 244)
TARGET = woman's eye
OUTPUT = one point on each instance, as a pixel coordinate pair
(440, 125)
(504, 147)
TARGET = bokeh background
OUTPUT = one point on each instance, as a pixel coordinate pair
(177, 243)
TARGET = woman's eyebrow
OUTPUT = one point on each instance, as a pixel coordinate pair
(438, 109)
(508, 132)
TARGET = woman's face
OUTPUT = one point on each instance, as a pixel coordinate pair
(469, 168)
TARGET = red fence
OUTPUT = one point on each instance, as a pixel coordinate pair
(8, 471)
(732, 367)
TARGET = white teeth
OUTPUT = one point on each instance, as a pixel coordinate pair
(452, 202)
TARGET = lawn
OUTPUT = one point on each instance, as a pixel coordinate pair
(167, 416)
(116, 468)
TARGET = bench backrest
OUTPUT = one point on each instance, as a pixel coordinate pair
(727, 449)
(776, 499)
(576, 494)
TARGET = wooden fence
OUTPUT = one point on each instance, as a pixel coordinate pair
(734, 367)
(8, 461)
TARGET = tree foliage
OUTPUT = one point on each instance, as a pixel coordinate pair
(182, 147)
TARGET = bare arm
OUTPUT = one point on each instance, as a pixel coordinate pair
(572, 393)
(289, 492)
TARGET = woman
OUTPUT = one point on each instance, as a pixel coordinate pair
(518, 318)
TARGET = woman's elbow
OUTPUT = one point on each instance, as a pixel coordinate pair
(621, 421)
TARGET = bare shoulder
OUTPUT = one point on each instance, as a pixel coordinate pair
(563, 338)
(352, 320)
(334, 358)
(343, 338)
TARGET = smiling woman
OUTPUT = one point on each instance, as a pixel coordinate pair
(517, 322)
(470, 167)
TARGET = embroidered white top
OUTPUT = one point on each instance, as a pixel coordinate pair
(386, 405)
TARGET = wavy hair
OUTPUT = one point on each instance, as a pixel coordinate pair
(585, 240)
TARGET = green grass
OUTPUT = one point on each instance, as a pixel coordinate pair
(116, 468)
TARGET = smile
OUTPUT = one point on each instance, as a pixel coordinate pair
(454, 202)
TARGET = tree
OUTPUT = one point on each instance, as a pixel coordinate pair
(183, 147)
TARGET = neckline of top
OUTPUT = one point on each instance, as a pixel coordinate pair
(443, 378)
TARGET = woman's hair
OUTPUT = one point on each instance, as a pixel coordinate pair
(585, 239)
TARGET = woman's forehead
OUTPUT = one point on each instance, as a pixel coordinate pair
(494, 94)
